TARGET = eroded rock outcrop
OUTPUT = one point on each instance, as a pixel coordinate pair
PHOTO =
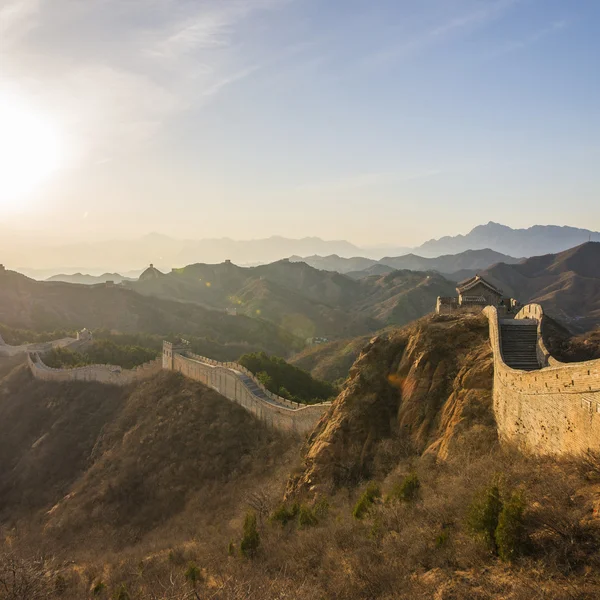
(425, 387)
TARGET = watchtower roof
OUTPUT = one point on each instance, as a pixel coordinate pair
(468, 284)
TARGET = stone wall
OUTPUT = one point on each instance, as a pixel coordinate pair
(555, 410)
(228, 380)
(109, 374)
(6, 350)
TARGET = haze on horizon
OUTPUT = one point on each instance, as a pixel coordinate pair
(376, 122)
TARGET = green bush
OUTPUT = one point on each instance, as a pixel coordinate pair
(121, 593)
(284, 514)
(306, 517)
(407, 490)
(98, 588)
(483, 516)
(367, 499)
(511, 537)
(288, 381)
(250, 540)
(193, 574)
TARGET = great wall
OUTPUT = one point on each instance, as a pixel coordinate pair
(545, 406)
(230, 379)
(541, 405)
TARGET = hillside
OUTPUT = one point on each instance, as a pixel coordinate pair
(48, 306)
(152, 491)
(331, 361)
(567, 284)
(303, 300)
(140, 459)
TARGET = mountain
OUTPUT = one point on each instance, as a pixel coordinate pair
(336, 263)
(303, 300)
(567, 284)
(89, 279)
(533, 241)
(165, 489)
(376, 269)
(465, 263)
(97, 257)
(469, 260)
(48, 306)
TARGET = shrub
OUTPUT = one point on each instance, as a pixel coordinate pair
(367, 499)
(306, 517)
(193, 574)
(407, 491)
(483, 516)
(284, 515)
(250, 540)
(98, 588)
(121, 593)
(511, 537)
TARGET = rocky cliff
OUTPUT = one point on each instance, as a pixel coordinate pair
(423, 389)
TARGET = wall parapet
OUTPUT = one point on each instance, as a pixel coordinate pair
(109, 374)
(553, 410)
(240, 385)
(6, 350)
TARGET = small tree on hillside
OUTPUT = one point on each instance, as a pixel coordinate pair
(250, 540)
(511, 537)
(484, 514)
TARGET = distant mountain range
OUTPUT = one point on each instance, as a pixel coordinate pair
(41, 259)
(90, 279)
(453, 266)
(533, 241)
(567, 284)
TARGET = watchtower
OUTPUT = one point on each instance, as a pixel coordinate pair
(170, 349)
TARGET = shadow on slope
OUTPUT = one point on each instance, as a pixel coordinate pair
(112, 465)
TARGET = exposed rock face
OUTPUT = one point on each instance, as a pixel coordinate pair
(424, 387)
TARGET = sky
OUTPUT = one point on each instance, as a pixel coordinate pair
(375, 121)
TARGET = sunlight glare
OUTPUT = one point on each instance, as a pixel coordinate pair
(31, 149)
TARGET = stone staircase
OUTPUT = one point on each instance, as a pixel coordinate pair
(519, 342)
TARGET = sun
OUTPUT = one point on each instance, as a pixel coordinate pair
(31, 149)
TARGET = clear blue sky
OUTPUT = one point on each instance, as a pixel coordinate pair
(378, 121)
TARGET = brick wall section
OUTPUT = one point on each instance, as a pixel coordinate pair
(555, 410)
(109, 374)
(6, 350)
(276, 412)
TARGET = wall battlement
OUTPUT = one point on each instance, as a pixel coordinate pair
(109, 374)
(6, 350)
(553, 410)
(238, 384)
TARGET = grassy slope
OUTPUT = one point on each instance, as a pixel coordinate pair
(118, 464)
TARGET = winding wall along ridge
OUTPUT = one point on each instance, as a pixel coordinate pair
(238, 384)
(554, 410)
(6, 350)
(230, 379)
(109, 374)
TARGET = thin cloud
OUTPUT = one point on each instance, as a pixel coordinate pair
(441, 32)
(531, 39)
